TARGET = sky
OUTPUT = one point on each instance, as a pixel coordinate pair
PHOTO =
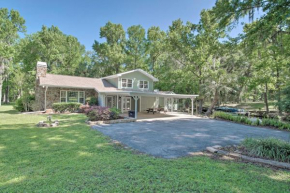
(83, 18)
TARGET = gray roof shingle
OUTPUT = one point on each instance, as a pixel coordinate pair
(98, 84)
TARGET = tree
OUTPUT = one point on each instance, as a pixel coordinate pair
(11, 24)
(268, 34)
(285, 102)
(155, 45)
(135, 47)
(62, 53)
(111, 53)
(275, 13)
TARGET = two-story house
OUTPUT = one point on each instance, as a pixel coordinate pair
(132, 90)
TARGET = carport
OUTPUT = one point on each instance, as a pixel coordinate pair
(141, 100)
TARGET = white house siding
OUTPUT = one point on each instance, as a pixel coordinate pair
(161, 101)
(148, 102)
(101, 100)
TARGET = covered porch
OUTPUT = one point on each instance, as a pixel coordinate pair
(160, 104)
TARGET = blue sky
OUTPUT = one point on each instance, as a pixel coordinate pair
(83, 18)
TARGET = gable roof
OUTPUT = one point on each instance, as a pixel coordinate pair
(53, 80)
(136, 70)
(100, 85)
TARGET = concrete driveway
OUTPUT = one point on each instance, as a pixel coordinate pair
(172, 138)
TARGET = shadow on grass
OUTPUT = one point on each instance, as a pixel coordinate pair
(11, 112)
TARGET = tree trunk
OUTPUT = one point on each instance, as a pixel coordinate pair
(117, 69)
(266, 98)
(255, 95)
(279, 91)
(213, 103)
(7, 92)
(200, 102)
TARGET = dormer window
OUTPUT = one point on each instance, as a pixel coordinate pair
(143, 84)
(127, 83)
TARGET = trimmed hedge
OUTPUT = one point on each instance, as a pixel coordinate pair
(93, 101)
(66, 107)
(230, 117)
(270, 148)
(241, 119)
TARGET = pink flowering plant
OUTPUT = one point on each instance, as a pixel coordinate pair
(97, 113)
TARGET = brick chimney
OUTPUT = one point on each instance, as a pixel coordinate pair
(41, 69)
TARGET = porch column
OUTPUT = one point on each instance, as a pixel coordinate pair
(192, 106)
(172, 104)
(136, 103)
(122, 104)
(140, 105)
(117, 101)
(157, 102)
(105, 100)
(165, 104)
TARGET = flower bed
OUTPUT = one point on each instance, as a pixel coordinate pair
(97, 113)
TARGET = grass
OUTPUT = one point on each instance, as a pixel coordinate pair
(75, 158)
(252, 106)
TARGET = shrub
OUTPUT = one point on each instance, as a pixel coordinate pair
(24, 103)
(275, 123)
(66, 107)
(285, 102)
(93, 101)
(84, 108)
(88, 110)
(114, 113)
(97, 113)
(230, 117)
(265, 121)
(286, 117)
(271, 148)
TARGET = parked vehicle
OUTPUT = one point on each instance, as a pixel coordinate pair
(243, 112)
(233, 110)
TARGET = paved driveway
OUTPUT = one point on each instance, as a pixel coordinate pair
(180, 137)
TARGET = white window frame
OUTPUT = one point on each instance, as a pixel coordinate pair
(84, 97)
(143, 84)
(66, 91)
(63, 97)
(126, 82)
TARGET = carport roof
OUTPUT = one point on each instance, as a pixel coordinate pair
(149, 93)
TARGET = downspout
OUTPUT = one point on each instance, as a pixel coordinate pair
(45, 98)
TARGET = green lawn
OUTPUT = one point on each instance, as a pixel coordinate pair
(254, 106)
(75, 158)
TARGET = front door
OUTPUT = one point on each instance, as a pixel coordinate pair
(126, 104)
(109, 101)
